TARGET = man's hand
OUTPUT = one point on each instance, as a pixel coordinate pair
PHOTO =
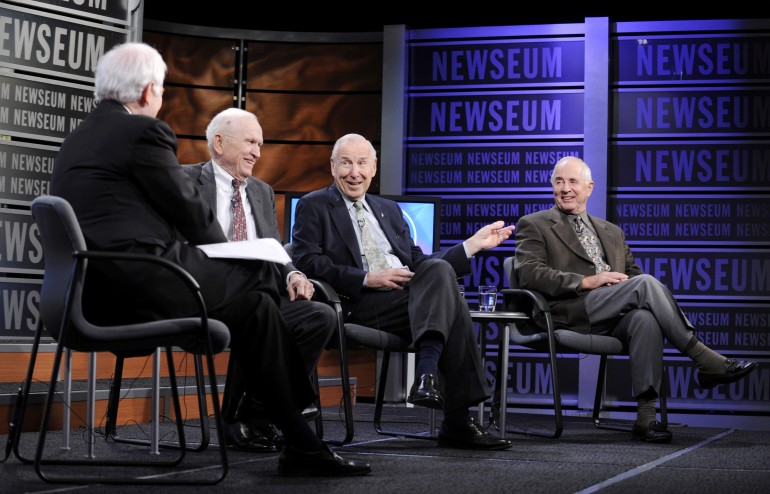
(299, 287)
(605, 278)
(394, 278)
(489, 237)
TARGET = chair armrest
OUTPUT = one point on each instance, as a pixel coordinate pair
(178, 270)
(527, 301)
(325, 292)
(534, 304)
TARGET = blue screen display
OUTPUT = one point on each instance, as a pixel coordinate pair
(419, 215)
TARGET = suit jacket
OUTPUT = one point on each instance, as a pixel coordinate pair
(326, 247)
(551, 260)
(261, 198)
(121, 176)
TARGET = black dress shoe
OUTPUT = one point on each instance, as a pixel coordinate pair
(734, 370)
(310, 413)
(653, 433)
(243, 437)
(425, 393)
(470, 435)
(324, 462)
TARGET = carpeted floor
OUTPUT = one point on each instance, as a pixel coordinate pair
(583, 460)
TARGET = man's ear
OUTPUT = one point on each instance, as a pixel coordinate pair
(144, 100)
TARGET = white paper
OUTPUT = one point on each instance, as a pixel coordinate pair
(265, 249)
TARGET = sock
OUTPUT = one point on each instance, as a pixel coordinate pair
(645, 411)
(457, 417)
(706, 359)
(431, 347)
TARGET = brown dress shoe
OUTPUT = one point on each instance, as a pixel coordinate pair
(734, 370)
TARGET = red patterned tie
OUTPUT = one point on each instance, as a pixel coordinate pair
(239, 217)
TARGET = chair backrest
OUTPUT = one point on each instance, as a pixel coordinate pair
(61, 296)
(61, 237)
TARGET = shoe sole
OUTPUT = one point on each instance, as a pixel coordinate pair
(665, 440)
(433, 404)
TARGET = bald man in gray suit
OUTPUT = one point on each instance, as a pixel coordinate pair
(599, 288)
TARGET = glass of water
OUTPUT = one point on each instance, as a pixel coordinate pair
(487, 298)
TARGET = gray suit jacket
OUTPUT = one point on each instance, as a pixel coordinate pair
(550, 260)
(261, 198)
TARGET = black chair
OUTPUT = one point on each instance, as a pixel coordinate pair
(358, 336)
(62, 315)
(555, 340)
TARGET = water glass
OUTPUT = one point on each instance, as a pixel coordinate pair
(462, 289)
(487, 298)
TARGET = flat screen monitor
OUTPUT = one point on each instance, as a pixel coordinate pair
(422, 213)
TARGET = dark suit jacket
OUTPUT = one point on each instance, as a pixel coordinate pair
(129, 192)
(550, 260)
(325, 245)
(261, 198)
(121, 175)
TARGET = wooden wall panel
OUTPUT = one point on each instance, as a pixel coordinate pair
(314, 67)
(196, 61)
(189, 110)
(316, 117)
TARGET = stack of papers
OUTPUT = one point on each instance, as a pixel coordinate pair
(265, 249)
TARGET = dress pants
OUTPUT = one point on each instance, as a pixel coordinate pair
(641, 311)
(431, 302)
(311, 324)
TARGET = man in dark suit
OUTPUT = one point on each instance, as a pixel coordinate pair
(234, 139)
(119, 171)
(595, 286)
(409, 293)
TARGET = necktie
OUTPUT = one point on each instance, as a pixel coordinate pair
(591, 245)
(239, 217)
(374, 255)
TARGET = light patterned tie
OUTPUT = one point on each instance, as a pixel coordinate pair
(591, 245)
(239, 217)
(374, 255)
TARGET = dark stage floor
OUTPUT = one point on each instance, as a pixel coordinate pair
(585, 459)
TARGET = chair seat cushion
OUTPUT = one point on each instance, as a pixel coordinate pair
(589, 343)
(579, 342)
(374, 338)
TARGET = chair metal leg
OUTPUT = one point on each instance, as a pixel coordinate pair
(154, 443)
(378, 405)
(624, 425)
(500, 404)
(319, 424)
(347, 400)
(91, 405)
(67, 400)
(40, 461)
(17, 418)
